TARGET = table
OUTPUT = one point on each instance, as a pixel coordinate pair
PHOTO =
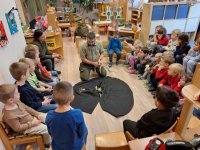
(102, 23)
(140, 144)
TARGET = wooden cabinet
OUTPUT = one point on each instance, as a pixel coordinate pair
(55, 42)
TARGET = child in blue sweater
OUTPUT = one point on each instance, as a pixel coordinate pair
(65, 124)
(28, 95)
(114, 46)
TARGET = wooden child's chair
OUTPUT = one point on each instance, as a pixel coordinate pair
(10, 139)
(111, 141)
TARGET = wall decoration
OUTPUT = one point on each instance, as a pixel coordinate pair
(11, 22)
(3, 37)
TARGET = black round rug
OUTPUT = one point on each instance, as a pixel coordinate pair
(114, 95)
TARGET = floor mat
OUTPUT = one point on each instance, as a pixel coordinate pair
(114, 95)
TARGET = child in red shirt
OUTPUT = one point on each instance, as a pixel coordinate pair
(163, 40)
(159, 72)
(174, 78)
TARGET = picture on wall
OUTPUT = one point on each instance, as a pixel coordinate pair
(11, 22)
(3, 37)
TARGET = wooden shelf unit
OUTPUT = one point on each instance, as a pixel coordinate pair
(58, 45)
(57, 36)
(136, 16)
(122, 33)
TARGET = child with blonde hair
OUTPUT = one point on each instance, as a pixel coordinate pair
(173, 41)
(133, 58)
(159, 72)
(135, 49)
(20, 117)
(149, 67)
(28, 95)
(174, 78)
(49, 77)
(33, 80)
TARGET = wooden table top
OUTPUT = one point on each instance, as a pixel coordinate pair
(122, 30)
(140, 144)
(189, 91)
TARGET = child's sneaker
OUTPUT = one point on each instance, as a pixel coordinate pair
(117, 62)
(130, 68)
(151, 89)
(110, 64)
(140, 77)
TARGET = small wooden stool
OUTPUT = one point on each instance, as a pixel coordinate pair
(111, 141)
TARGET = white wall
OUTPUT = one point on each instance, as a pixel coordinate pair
(14, 50)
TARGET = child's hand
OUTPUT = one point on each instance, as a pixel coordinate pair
(46, 101)
(181, 83)
(196, 96)
(125, 42)
(54, 79)
(50, 88)
(100, 61)
(35, 122)
(160, 67)
(156, 66)
(160, 85)
(191, 50)
(40, 117)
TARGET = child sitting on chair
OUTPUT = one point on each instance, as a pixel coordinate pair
(114, 46)
(20, 117)
(49, 77)
(28, 95)
(192, 58)
(157, 120)
(33, 80)
(174, 78)
(65, 124)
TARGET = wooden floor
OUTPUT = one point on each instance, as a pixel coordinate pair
(100, 121)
